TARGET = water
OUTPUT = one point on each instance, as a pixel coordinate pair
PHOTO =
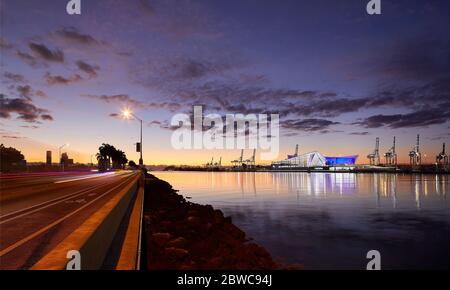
(331, 220)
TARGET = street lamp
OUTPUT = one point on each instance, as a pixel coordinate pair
(60, 156)
(92, 163)
(127, 114)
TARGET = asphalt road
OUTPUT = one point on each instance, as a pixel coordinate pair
(37, 211)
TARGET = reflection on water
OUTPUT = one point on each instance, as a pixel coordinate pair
(331, 220)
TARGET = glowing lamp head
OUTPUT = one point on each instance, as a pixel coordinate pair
(126, 114)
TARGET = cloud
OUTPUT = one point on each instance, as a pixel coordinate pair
(359, 133)
(43, 52)
(12, 136)
(17, 78)
(30, 127)
(128, 101)
(122, 99)
(25, 91)
(176, 72)
(27, 58)
(24, 108)
(418, 59)
(309, 125)
(41, 94)
(46, 117)
(421, 118)
(91, 70)
(60, 80)
(73, 36)
(4, 44)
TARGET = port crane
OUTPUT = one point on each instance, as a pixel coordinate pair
(251, 162)
(414, 155)
(238, 162)
(442, 158)
(374, 157)
(218, 164)
(391, 155)
(296, 152)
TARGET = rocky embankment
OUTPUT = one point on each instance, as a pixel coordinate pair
(184, 235)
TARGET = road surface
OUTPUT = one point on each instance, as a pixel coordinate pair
(37, 211)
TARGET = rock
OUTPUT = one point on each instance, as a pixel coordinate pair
(179, 242)
(161, 238)
(193, 220)
(175, 253)
(185, 235)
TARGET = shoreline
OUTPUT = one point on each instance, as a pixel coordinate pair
(183, 235)
(406, 172)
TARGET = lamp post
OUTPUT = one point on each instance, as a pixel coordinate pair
(92, 163)
(60, 156)
(127, 114)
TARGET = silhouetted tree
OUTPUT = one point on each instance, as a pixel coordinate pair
(11, 158)
(132, 164)
(120, 159)
(108, 155)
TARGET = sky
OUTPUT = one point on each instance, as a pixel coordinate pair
(337, 77)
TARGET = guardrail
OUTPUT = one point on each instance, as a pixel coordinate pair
(94, 237)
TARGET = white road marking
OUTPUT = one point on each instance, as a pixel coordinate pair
(50, 203)
(33, 235)
(86, 177)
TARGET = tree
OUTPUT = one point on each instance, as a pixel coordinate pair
(10, 158)
(120, 158)
(132, 164)
(108, 155)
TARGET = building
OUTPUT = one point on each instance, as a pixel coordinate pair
(65, 161)
(49, 158)
(341, 160)
(314, 160)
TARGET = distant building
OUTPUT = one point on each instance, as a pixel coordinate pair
(65, 161)
(49, 157)
(314, 159)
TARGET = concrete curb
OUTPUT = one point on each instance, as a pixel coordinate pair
(93, 238)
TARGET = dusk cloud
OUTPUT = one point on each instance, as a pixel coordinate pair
(72, 35)
(24, 108)
(26, 57)
(122, 99)
(91, 70)
(309, 125)
(4, 44)
(17, 78)
(42, 51)
(60, 80)
(421, 118)
(25, 91)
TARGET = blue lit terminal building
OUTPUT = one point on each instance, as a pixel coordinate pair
(341, 160)
(315, 160)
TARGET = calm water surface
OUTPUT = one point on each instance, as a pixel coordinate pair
(331, 220)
